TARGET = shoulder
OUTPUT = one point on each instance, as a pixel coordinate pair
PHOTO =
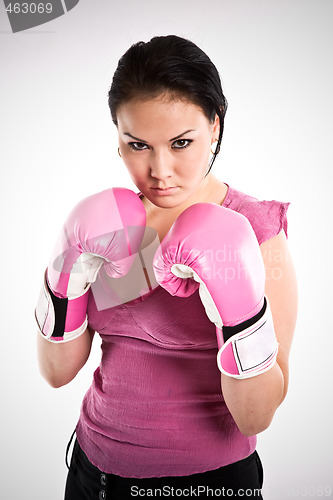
(267, 217)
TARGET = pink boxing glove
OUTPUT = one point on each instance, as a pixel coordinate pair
(215, 250)
(105, 228)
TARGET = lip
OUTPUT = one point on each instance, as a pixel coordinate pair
(164, 191)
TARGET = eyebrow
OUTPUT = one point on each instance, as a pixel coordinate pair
(170, 140)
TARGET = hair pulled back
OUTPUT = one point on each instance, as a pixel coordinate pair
(174, 65)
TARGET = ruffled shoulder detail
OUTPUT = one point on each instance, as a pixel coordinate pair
(267, 218)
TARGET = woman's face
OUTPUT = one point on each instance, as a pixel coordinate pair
(165, 145)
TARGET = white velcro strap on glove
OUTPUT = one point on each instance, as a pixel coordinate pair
(45, 314)
(250, 352)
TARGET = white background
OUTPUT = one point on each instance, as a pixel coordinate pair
(58, 144)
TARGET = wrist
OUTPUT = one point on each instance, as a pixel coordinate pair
(60, 319)
(249, 349)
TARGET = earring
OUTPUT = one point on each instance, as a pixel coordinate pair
(119, 153)
(213, 152)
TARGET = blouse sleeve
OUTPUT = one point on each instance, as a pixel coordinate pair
(268, 218)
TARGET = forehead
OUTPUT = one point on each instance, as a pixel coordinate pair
(160, 113)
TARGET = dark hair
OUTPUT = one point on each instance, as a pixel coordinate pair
(173, 65)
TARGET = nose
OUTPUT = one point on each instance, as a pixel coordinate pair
(161, 165)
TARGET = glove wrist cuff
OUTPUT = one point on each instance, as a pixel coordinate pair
(60, 319)
(252, 351)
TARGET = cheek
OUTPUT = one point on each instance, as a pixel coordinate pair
(135, 167)
(195, 165)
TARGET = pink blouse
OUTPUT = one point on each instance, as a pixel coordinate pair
(155, 407)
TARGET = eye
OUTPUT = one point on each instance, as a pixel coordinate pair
(181, 143)
(138, 146)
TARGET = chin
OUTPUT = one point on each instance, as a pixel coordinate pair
(164, 201)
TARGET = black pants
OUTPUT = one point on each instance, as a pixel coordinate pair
(240, 480)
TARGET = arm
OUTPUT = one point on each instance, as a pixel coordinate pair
(103, 229)
(232, 287)
(60, 362)
(253, 401)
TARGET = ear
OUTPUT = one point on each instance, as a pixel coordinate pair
(216, 128)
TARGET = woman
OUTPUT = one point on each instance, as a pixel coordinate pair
(155, 421)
